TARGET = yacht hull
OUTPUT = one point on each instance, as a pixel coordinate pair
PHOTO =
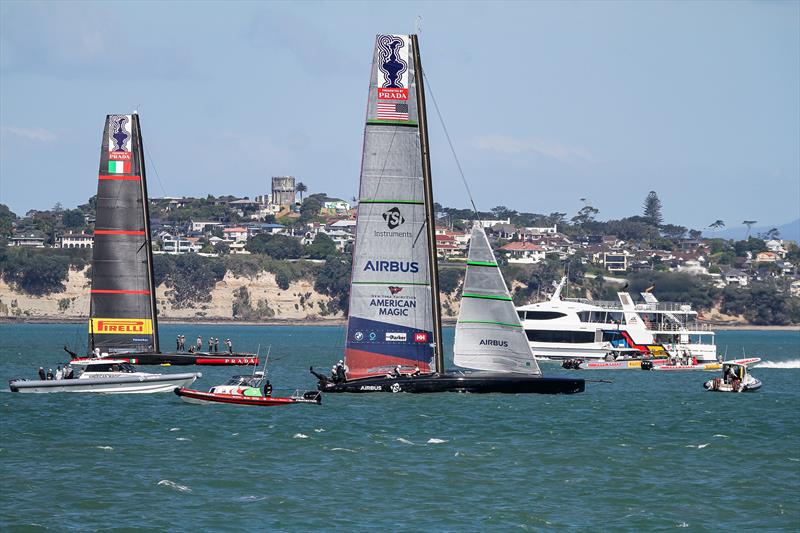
(477, 382)
(186, 358)
(115, 385)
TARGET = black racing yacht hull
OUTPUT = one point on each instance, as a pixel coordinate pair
(187, 358)
(474, 382)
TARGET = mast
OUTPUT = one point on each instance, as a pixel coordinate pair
(147, 236)
(430, 219)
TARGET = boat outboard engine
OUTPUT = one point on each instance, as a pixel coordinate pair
(647, 365)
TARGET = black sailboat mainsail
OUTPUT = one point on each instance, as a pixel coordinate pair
(123, 316)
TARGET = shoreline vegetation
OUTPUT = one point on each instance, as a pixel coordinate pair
(278, 278)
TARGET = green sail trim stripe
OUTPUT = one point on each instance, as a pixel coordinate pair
(487, 297)
(410, 202)
(481, 263)
(390, 283)
(411, 123)
(489, 322)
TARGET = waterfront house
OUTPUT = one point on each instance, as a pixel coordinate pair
(30, 238)
(75, 240)
(523, 252)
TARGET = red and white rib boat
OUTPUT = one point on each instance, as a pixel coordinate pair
(246, 390)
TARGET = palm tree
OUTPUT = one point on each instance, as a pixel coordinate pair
(749, 224)
(301, 188)
(716, 225)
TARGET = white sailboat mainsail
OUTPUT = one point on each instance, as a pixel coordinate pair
(391, 320)
(489, 335)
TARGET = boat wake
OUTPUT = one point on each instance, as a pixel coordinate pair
(299, 436)
(104, 448)
(791, 363)
(436, 441)
(175, 486)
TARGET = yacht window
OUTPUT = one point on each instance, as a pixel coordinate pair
(572, 337)
(98, 368)
(521, 315)
(544, 315)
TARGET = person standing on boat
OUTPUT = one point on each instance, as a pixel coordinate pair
(183, 343)
(178, 343)
(340, 371)
(42, 374)
(96, 353)
(50, 374)
(210, 344)
(199, 343)
(229, 344)
(59, 372)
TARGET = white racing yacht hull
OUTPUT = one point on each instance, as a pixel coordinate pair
(114, 385)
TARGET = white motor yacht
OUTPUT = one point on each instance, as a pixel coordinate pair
(111, 376)
(577, 328)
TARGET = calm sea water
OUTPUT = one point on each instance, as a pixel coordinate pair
(649, 451)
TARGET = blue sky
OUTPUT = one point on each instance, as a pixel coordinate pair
(546, 103)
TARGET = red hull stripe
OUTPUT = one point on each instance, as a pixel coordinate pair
(112, 291)
(117, 232)
(361, 361)
(226, 361)
(119, 178)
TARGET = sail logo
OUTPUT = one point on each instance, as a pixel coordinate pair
(392, 266)
(392, 94)
(493, 342)
(393, 218)
(392, 307)
(392, 61)
(395, 337)
(420, 336)
(395, 290)
(121, 326)
(119, 138)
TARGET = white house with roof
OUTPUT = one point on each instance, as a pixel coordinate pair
(524, 252)
(75, 240)
(235, 234)
(31, 238)
(197, 226)
(735, 277)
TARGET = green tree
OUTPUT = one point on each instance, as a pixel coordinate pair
(322, 247)
(310, 208)
(275, 246)
(749, 224)
(301, 188)
(73, 219)
(7, 218)
(36, 272)
(652, 209)
(449, 279)
(334, 280)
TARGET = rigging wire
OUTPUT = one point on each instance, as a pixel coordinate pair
(450, 142)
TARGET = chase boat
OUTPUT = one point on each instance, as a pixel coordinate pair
(735, 377)
(110, 376)
(246, 390)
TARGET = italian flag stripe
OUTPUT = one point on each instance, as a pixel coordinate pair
(119, 167)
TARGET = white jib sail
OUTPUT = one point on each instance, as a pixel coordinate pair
(489, 335)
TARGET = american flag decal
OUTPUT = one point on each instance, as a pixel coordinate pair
(392, 111)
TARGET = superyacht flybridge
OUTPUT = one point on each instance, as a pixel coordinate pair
(577, 328)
